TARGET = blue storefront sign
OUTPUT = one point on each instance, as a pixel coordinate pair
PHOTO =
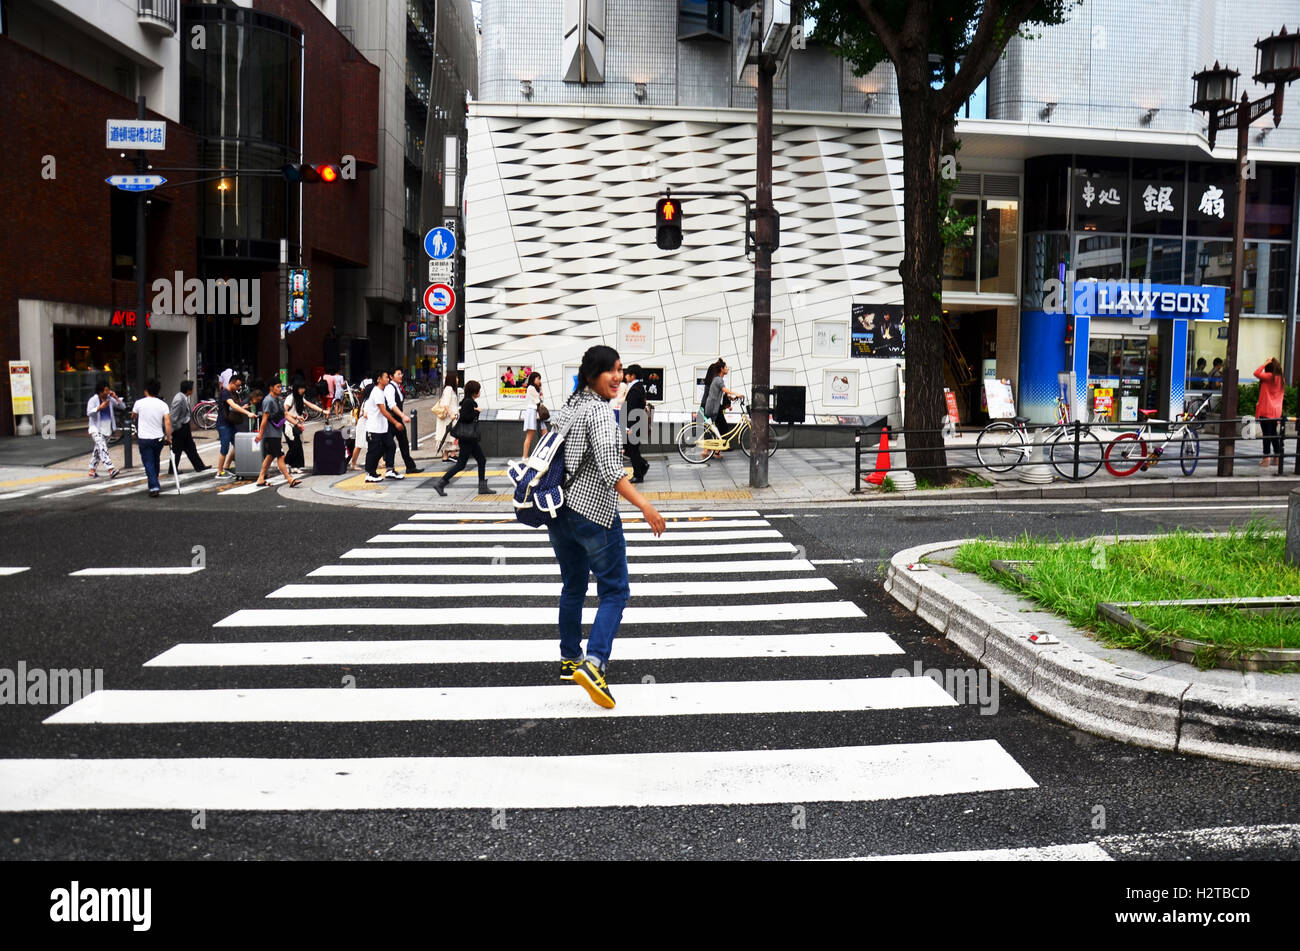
(1139, 299)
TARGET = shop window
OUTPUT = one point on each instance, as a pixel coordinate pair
(703, 18)
(1046, 259)
(999, 237)
(1270, 198)
(1267, 265)
(1158, 197)
(1211, 200)
(1047, 186)
(1158, 260)
(1098, 257)
(959, 256)
(1099, 191)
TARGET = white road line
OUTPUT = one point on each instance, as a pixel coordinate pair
(1082, 852)
(102, 484)
(5, 496)
(627, 515)
(104, 572)
(308, 653)
(520, 551)
(527, 616)
(542, 589)
(1196, 508)
(252, 487)
(16, 571)
(724, 777)
(634, 569)
(519, 527)
(553, 701)
(542, 538)
(836, 561)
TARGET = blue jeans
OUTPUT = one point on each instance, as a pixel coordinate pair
(584, 548)
(226, 433)
(150, 454)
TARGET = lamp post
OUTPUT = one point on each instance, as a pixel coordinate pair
(1278, 63)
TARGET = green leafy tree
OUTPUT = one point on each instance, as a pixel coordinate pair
(941, 50)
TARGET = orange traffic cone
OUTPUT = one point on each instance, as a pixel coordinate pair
(882, 460)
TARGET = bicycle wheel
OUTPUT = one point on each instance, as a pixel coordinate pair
(205, 415)
(747, 441)
(1189, 452)
(1000, 446)
(314, 415)
(688, 443)
(1075, 461)
(1125, 454)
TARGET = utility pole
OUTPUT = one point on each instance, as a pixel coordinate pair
(141, 314)
(763, 239)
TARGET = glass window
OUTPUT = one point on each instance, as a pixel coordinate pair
(1268, 278)
(1047, 186)
(1157, 197)
(1046, 257)
(1208, 262)
(1099, 190)
(703, 18)
(1158, 260)
(1098, 256)
(959, 257)
(1211, 201)
(999, 236)
(1269, 199)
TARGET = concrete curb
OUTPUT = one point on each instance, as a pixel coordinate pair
(1146, 709)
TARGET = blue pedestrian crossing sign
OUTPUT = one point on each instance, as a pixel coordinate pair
(440, 243)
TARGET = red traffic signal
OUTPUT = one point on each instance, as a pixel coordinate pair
(668, 224)
(296, 172)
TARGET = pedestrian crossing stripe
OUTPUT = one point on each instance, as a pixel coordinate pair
(519, 527)
(117, 572)
(248, 488)
(519, 551)
(542, 589)
(627, 516)
(527, 616)
(549, 702)
(542, 537)
(690, 647)
(634, 569)
(724, 777)
(1082, 852)
(13, 571)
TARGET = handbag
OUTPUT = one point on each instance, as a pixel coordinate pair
(234, 418)
(543, 414)
(441, 410)
(465, 430)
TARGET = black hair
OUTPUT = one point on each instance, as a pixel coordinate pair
(597, 360)
(187, 385)
(531, 376)
(236, 378)
(101, 384)
(472, 388)
(396, 370)
(452, 379)
(634, 369)
(151, 387)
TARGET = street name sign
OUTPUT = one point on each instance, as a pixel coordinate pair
(136, 134)
(135, 183)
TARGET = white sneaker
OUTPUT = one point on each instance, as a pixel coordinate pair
(394, 474)
(371, 478)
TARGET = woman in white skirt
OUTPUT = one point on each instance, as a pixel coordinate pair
(444, 411)
(532, 400)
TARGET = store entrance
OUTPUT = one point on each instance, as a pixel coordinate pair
(85, 355)
(970, 339)
(1123, 376)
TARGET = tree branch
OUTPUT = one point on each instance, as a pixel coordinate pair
(982, 54)
(888, 38)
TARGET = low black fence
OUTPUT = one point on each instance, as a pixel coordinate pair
(1076, 451)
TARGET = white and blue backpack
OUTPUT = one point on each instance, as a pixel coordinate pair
(539, 480)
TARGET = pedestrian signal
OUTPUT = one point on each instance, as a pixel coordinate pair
(668, 224)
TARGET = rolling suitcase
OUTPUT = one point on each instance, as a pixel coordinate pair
(248, 456)
(329, 453)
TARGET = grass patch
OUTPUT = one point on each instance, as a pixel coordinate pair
(1070, 577)
(960, 479)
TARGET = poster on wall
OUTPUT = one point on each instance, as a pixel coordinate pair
(877, 330)
(652, 382)
(830, 338)
(1001, 404)
(511, 380)
(636, 335)
(570, 380)
(840, 388)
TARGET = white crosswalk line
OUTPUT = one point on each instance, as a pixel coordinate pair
(527, 616)
(519, 527)
(554, 701)
(626, 515)
(102, 484)
(252, 487)
(1082, 852)
(5, 496)
(724, 777)
(543, 589)
(696, 646)
(520, 551)
(13, 570)
(114, 572)
(542, 538)
(634, 569)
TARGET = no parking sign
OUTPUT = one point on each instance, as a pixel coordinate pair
(439, 299)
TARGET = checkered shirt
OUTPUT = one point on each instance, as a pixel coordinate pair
(589, 421)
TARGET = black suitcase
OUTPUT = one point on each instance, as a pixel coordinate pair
(329, 453)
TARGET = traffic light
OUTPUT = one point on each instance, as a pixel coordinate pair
(668, 224)
(296, 172)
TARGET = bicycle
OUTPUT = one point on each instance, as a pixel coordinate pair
(1127, 452)
(1004, 444)
(696, 445)
(204, 414)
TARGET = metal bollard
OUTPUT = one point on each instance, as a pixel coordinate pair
(415, 430)
(857, 463)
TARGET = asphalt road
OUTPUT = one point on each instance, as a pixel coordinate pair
(254, 544)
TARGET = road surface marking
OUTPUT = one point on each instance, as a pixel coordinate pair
(102, 572)
(633, 551)
(1083, 852)
(1197, 508)
(13, 571)
(543, 538)
(552, 568)
(35, 480)
(627, 516)
(543, 589)
(522, 528)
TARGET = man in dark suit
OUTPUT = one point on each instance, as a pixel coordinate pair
(638, 422)
(400, 443)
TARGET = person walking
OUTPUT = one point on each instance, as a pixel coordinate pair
(295, 411)
(380, 412)
(1268, 409)
(398, 399)
(637, 424)
(359, 443)
(232, 417)
(467, 423)
(270, 435)
(182, 437)
(445, 411)
(532, 410)
(587, 535)
(99, 410)
(153, 431)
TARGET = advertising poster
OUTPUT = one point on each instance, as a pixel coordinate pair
(950, 401)
(652, 381)
(1128, 409)
(876, 330)
(997, 394)
(1103, 401)
(299, 295)
(840, 388)
(829, 338)
(511, 380)
(20, 387)
(636, 335)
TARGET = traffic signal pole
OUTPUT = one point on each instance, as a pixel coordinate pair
(762, 276)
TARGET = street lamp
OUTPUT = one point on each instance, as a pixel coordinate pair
(1278, 63)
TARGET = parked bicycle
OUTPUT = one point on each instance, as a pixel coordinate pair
(1074, 451)
(1128, 453)
(204, 414)
(698, 441)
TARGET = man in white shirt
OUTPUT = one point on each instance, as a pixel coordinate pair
(380, 411)
(398, 401)
(153, 430)
(99, 408)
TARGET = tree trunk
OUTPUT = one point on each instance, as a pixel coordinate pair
(921, 272)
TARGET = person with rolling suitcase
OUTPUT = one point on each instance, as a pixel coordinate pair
(269, 436)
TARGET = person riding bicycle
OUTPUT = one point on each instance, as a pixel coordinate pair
(716, 398)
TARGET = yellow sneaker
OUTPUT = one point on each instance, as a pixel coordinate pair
(590, 677)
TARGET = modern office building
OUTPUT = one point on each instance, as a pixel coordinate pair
(1080, 159)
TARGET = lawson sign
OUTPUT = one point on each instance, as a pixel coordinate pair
(1145, 300)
